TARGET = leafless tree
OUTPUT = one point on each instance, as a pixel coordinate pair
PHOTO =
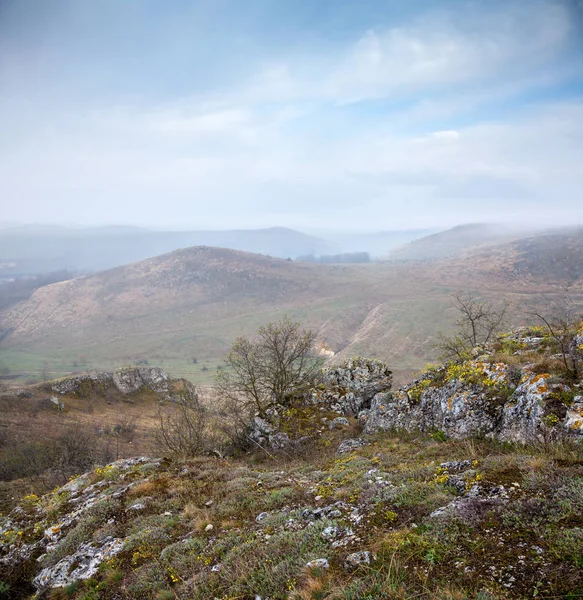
(562, 323)
(477, 323)
(269, 369)
(183, 428)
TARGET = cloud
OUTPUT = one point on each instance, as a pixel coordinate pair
(439, 49)
(432, 121)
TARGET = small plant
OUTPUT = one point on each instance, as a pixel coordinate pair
(439, 436)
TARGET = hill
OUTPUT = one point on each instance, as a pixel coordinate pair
(32, 250)
(182, 310)
(451, 242)
(393, 514)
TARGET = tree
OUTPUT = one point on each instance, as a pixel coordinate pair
(182, 431)
(478, 321)
(563, 324)
(269, 369)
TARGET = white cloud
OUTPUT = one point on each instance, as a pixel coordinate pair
(440, 49)
(290, 148)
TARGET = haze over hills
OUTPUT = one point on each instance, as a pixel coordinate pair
(34, 249)
(38, 249)
(191, 303)
(452, 242)
(377, 243)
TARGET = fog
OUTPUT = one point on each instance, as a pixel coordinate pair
(369, 116)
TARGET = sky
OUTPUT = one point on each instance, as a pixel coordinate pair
(328, 114)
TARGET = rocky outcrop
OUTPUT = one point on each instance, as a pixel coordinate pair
(32, 532)
(511, 399)
(481, 396)
(125, 381)
(350, 387)
(81, 564)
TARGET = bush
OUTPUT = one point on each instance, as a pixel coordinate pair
(75, 451)
(185, 430)
(478, 320)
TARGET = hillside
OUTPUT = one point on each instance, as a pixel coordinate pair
(452, 242)
(191, 304)
(425, 503)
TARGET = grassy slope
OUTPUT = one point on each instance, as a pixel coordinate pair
(193, 303)
(526, 547)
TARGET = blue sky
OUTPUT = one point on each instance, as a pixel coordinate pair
(369, 114)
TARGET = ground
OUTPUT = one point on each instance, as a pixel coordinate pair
(511, 524)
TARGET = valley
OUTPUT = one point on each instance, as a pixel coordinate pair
(182, 310)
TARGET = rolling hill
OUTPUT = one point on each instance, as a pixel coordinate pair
(450, 243)
(182, 310)
(31, 250)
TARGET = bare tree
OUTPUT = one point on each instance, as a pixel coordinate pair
(182, 430)
(477, 323)
(562, 323)
(270, 369)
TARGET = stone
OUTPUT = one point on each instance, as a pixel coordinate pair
(58, 403)
(338, 423)
(261, 517)
(455, 466)
(356, 559)
(350, 445)
(350, 387)
(497, 401)
(318, 563)
(82, 564)
(330, 533)
(126, 381)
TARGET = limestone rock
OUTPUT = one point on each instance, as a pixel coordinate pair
(350, 445)
(356, 559)
(82, 564)
(126, 381)
(480, 397)
(352, 385)
(318, 563)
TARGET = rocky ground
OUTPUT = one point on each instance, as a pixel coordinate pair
(400, 516)
(478, 493)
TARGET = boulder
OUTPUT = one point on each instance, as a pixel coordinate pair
(350, 445)
(357, 559)
(350, 387)
(318, 563)
(81, 564)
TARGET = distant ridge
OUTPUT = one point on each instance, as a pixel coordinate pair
(36, 249)
(451, 242)
(183, 309)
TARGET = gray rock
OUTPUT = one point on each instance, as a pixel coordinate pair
(357, 559)
(318, 563)
(338, 423)
(455, 466)
(461, 409)
(351, 386)
(82, 564)
(57, 402)
(330, 533)
(350, 445)
(127, 381)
